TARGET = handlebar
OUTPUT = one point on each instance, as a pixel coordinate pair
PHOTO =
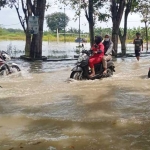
(88, 52)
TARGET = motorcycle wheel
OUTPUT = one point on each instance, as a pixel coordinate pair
(16, 68)
(76, 75)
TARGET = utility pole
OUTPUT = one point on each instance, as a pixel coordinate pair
(146, 25)
(57, 35)
(79, 19)
(64, 26)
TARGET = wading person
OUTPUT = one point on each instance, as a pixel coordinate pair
(138, 45)
(108, 47)
(98, 53)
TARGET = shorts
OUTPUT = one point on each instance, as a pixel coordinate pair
(137, 53)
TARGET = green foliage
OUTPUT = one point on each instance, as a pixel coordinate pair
(57, 20)
(10, 3)
(1, 30)
(98, 14)
(103, 31)
(18, 34)
(2, 3)
(130, 32)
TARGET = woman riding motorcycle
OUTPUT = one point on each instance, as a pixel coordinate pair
(98, 53)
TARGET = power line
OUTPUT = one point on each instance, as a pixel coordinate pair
(9, 24)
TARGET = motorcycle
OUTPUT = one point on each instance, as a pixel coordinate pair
(81, 70)
(5, 66)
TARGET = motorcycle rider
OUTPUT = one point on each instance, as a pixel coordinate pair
(2, 62)
(108, 47)
(98, 53)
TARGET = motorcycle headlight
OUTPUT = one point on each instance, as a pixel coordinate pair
(80, 59)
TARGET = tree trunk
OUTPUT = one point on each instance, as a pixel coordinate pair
(28, 43)
(91, 29)
(33, 46)
(91, 22)
(117, 9)
(36, 43)
(123, 43)
(123, 37)
(123, 48)
(115, 32)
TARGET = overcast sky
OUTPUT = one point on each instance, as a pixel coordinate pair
(9, 19)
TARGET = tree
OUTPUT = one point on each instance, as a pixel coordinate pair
(117, 9)
(2, 3)
(92, 12)
(9, 3)
(103, 31)
(144, 9)
(57, 20)
(129, 6)
(33, 46)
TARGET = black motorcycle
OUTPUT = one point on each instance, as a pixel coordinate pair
(82, 71)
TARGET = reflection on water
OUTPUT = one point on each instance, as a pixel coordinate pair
(42, 109)
(52, 49)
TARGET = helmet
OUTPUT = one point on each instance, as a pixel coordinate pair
(98, 39)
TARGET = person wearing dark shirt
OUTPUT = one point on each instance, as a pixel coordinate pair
(138, 45)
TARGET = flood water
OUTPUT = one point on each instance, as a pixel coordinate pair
(42, 109)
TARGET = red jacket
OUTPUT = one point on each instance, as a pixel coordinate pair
(98, 47)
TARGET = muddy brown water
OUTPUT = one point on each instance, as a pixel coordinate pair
(42, 109)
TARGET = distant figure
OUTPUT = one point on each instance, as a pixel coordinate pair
(138, 42)
(82, 45)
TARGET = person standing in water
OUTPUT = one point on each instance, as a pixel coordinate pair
(138, 45)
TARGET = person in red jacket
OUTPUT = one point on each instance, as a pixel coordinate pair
(98, 53)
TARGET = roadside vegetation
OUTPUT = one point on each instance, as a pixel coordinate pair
(17, 34)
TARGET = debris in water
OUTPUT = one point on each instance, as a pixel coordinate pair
(37, 143)
(72, 147)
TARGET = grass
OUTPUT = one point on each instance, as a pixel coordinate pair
(48, 37)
